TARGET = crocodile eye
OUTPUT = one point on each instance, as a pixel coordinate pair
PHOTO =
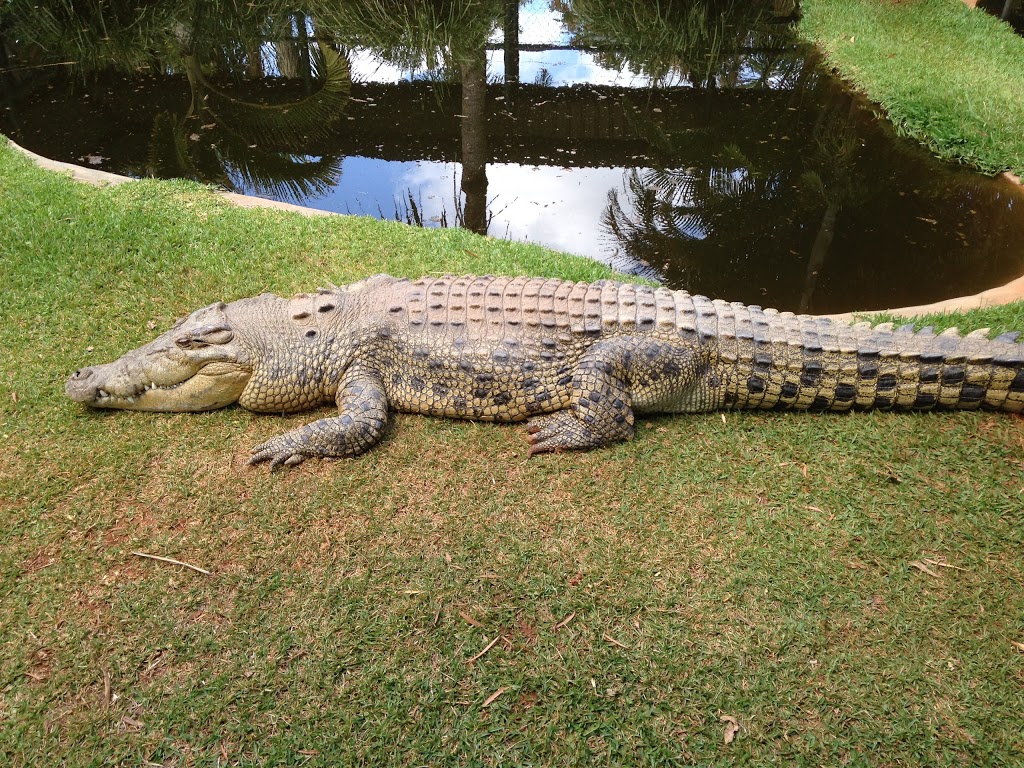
(204, 337)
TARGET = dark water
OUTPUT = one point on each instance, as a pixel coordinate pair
(717, 155)
(1010, 11)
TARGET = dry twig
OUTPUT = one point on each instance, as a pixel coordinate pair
(565, 622)
(172, 561)
(943, 564)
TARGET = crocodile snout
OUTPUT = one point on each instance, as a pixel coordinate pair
(81, 386)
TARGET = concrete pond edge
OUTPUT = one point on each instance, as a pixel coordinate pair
(1003, 294)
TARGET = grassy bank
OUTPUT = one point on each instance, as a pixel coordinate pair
(946, 75)
(841, 589)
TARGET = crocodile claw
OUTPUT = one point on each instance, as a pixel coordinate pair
(557, 432)
(280, 451)
(538, 444)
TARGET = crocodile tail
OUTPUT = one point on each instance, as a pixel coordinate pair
(902, 368)
(804, 362)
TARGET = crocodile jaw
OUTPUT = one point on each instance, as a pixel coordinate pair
(213, 386)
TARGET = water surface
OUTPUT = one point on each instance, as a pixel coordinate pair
(716, 156)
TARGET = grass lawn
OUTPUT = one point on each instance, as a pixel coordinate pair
(944, 74)
(729, 589)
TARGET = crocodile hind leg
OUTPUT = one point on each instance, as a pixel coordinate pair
(362, 416)
(610, 380)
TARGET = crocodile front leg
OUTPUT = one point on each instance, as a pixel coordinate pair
(363, 414)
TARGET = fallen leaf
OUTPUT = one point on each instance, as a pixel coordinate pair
(1018, 646)
(485, 650)
(732, 727)
(528, 631)
(923, 568)
(490, 699)
(470, 620)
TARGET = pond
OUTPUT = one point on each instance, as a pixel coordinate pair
(702, 147)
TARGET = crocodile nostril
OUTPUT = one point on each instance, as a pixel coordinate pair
(82, 374)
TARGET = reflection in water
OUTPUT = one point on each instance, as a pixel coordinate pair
(473, 67)
(694, 143)
(692, 220)
(240, 144)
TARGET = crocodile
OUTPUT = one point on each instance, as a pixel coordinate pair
(576, 361)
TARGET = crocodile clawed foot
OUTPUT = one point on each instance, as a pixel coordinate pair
(278, 452)
(557, 432)
(539, 446)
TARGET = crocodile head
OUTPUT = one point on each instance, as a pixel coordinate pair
(198, 365)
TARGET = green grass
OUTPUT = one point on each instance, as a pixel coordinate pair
(754, 566)
(1006, 317)
(946, 75)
